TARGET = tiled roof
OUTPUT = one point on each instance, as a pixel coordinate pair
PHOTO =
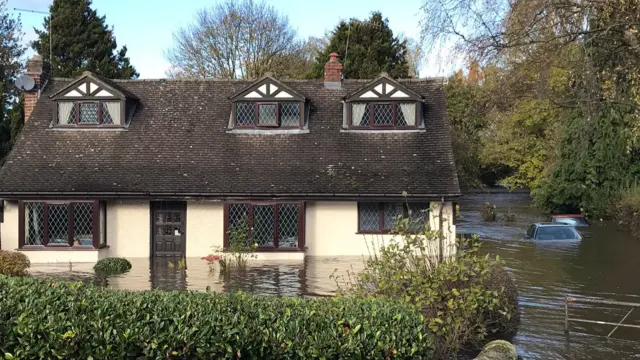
(177, 143)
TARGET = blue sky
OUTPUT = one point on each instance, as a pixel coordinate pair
(146, 26)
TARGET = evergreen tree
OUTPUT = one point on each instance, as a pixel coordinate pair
(372, 50)
(81, 41)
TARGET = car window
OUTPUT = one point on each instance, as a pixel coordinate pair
(557, 233)
(571, 221)
(531, 231)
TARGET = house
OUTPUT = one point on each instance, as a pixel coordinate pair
(154, 168)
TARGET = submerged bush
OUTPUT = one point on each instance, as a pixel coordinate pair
(13, 263)
(111, 266)
(45, 319)
(462, 298)
(488, 212)
(626, 211)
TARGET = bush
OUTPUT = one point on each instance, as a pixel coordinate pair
(461, 302)
(496, 324)
(488, 212)
(45, 319)
(626, 211)
(112, 266)
(13, 263)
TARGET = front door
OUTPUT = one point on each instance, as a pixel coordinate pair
(169, 229)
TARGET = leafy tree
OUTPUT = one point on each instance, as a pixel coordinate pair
(238, 40)
(10, 53)
(372, 50)
(81, 41)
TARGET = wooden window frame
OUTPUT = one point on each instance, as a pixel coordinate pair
(381, 205)
(89, 125)
(393, 126)
(250, 207)
(257, 124)
(97, 208)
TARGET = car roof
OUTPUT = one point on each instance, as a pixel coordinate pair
(548, 224)
(567, 216)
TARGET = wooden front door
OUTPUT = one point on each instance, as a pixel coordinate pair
(169, 229)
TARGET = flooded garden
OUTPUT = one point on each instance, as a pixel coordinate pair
(604, 265)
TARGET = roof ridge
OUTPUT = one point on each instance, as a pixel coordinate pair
(237, 81)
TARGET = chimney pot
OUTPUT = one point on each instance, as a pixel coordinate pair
(333, 72)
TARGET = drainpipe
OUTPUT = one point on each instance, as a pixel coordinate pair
(440, 225)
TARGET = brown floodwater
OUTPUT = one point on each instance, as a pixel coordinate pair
(605, 265)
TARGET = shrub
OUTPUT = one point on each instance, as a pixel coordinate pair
(239, 253)
(13, 263)
(111, 266)
(488, 212)
(497, 325)
(509, 216)
(45, 319)
(626, 211)
(457, 296)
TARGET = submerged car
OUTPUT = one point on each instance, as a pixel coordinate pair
(576, 220)
(552, 231)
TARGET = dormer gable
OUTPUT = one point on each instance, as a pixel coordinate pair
(92, 101)
(383, 88)
(383, 104)
(268, 105)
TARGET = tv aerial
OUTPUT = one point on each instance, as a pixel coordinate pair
(25, 83)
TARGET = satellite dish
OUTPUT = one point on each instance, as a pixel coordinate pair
(25, 83)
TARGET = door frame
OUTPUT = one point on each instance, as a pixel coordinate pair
(173, 205)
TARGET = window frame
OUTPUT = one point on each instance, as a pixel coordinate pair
(99, 215)
(381, 208)
(250, 206)
(77, 112)
(394, 125)
(278, 124)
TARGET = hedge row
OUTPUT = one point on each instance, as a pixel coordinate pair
(42, 319)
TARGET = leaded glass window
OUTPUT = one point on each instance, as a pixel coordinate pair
(383, 115)
(273, 114)
(269, 225)
(382, 217)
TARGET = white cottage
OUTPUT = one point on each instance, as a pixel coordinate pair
(156, 168)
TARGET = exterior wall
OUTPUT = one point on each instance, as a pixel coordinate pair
(331, 229)
(205, 227)
(9, 228)
(128, 228)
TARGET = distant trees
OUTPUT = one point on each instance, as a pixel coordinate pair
(82, 41)
(239, 40)
(11, 116)
(372, 49)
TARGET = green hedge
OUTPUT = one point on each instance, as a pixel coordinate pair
(13, 263)
(112, 266)
(42, 319)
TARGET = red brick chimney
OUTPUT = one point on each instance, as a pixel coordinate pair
(333, 73)
(38, 70)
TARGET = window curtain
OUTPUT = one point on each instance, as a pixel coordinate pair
(409, 113)
(357, 113)
(64, 112)
(113, 108)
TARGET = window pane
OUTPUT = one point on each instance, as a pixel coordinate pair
(103, 223)
(418, 216)
(245, 114)
(382, 114)
(368, 216)
(406, 114)
(58, 223)
(111, 113)
(288, 225)
(263, 225)
(83, 223)
(268, 114)
(34, 223)
(289, 114)
(89, 113)
(392, 211)
(238, 223)
(66, 113)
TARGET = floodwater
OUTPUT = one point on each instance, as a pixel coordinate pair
(605, 265)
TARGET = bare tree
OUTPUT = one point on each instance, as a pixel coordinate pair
(233, 40)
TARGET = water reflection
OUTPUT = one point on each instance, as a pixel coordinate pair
(604, 265)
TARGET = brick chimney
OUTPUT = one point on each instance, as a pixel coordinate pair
(37, 69)
(333, 73)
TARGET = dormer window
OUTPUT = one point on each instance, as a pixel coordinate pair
(89, 113)
(94, 102)
(377, 115)
(268, 105)
(277, 114)
(382, 105)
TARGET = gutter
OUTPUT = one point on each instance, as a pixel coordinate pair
(17, 195)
